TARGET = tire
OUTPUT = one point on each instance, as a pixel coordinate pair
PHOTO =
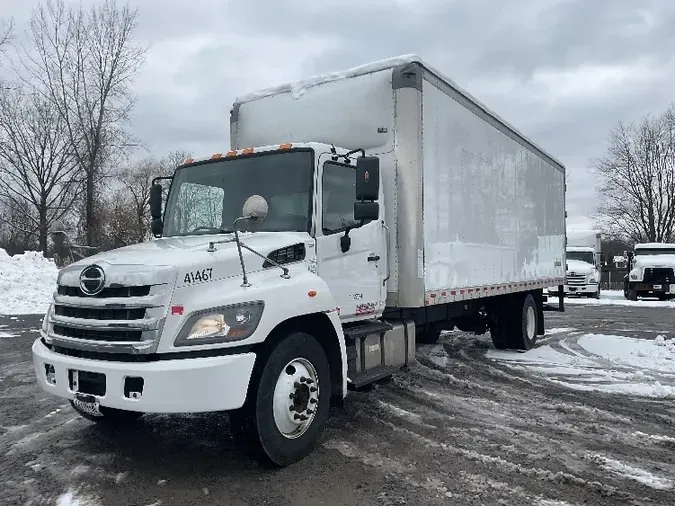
(110, 416)
(499, 328)
(631, 294)
(524, 331)
(273, 431)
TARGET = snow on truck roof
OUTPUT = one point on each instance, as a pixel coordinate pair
(297, 89)
(655, 245)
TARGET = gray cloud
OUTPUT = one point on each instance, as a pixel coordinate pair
(562, 71)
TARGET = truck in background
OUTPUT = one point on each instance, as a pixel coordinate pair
(584, 263)
(342, 227)
(651, 271)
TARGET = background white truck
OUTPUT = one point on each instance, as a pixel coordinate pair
(381, 206)
(584, 263)
(651, 272)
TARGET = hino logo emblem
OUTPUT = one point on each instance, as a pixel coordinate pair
(92, 280)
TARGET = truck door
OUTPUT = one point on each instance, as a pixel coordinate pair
(351, 257)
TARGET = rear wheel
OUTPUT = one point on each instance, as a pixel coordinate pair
(515, 323)
(108, 416)
(631, 294)
(288, 407)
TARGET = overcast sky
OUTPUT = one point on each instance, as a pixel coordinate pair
(564, 72)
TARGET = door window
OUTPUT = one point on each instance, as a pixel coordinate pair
(339, 193)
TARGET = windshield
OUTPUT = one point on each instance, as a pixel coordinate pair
(207, 198)
(654, 251)
(584, 256)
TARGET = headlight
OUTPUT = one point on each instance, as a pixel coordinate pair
(223, 324)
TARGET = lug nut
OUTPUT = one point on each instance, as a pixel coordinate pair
(291, 408)
(310, 412)
(296, 417)
(303, 418)
(313, 389)
(296, 385)
(291, 396)
(309, 381)
(312, 400)
(303, 379)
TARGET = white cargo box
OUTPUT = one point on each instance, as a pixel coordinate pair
(475, 208)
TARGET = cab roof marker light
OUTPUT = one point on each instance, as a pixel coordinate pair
(283, 147)
(247, 151)
(230, 154)
(215, 156)
(187, 160)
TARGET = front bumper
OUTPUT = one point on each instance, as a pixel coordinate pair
(576, 289)
(169, 386)
(654, 288)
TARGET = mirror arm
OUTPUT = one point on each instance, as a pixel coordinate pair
(245, 283)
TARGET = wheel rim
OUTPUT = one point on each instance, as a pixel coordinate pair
(531, 322)
(296, 398)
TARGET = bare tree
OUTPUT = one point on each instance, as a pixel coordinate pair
(84, 60)
(17, 237)
(637, 180)
(38, 166)
(6, 28)
(137, 180)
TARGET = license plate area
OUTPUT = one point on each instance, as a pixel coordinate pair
(85, 382)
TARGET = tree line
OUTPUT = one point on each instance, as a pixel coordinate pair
(65, 137)
(636, 180)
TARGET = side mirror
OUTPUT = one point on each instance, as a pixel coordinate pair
(367, 178)
(255, 210)
(366, 211)
(156, 202)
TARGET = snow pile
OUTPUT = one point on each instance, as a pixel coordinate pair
(616, 298)
(27, 283)
(603, 363)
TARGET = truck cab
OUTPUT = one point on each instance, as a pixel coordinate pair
(261, 256)
(583, 274)
(651, 272)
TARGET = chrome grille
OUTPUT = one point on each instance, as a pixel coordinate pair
(659, 275)
(93, 313)
(575, 280)
(119, 319)
(99, 334)
(108, 292)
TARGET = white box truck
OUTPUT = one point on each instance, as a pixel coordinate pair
(355, 214)
(651, 272)
(584, 263)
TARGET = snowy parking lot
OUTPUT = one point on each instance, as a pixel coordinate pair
(588, 417)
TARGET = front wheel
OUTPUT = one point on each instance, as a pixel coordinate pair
(286, 412)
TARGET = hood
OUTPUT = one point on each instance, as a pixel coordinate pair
(655, 261)
(188, 258)
(579, 267)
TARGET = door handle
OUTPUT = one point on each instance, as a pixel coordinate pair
(373, 258)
